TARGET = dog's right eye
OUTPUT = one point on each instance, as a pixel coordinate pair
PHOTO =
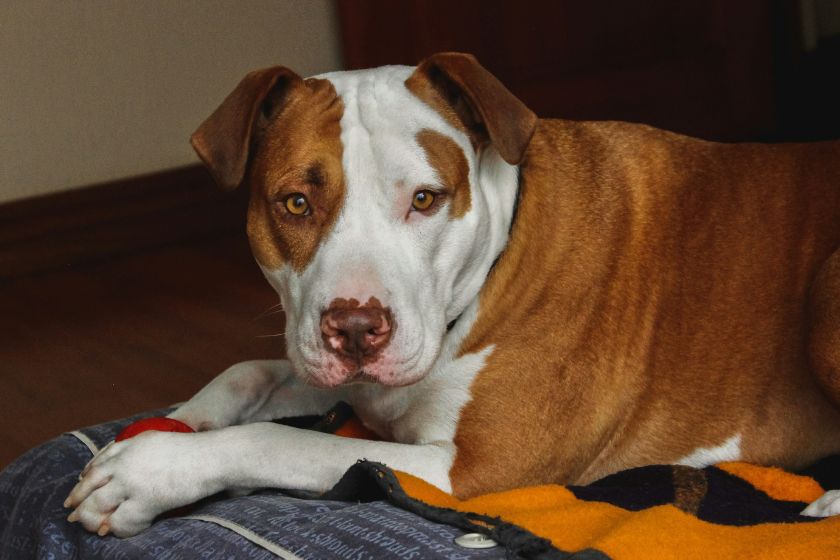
(297, 204)
(423, 200)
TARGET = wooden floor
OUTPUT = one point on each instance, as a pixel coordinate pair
(101, 341)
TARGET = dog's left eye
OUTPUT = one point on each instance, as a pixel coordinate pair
(423, 200)
(297, 204)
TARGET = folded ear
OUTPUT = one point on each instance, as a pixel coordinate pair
(224, 140)
(470, 96)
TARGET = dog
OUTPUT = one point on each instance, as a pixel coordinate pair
(506, 301)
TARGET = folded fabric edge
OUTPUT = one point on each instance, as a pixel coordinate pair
(368, 481)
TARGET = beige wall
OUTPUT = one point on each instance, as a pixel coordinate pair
(93, 91)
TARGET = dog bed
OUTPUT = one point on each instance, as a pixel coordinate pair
(729, 511)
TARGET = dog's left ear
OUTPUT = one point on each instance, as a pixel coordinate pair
(224, 141)
(467, 94)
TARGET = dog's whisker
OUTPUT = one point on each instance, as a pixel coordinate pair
(273, 312)
(270, 335)
(270, 311)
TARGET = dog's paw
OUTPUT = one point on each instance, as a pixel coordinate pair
(828, 504)
(129, 483)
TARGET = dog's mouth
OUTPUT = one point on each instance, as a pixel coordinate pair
(360, 376)
(355, 377)
(331, 379)
(392, 365)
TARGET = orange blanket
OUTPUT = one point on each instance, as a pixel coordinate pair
(731, 510)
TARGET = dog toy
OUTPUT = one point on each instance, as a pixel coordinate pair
(155, 424)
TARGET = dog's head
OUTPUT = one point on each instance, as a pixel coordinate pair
(379, 200)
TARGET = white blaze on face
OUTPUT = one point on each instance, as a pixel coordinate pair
(424, 268)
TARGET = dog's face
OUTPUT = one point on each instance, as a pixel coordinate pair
(374, 211)
(366, 218)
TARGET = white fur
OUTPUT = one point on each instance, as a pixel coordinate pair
(154, 472)
(828, 504)
(427, 269)
(253, 391)
(729, 450)
(427, 411)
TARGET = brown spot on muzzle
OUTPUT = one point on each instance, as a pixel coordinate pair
(357, 333)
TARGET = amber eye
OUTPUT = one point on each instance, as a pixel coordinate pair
(297, 204)
(423, 200)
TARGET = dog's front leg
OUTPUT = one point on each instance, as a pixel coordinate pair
(131, 482)
(269, 455)
(253, 391)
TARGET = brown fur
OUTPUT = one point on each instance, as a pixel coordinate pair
(424, 89)
(448, 159)
(824, 342)
(301, 152)
(223, 140)
(653, 297)
(473, 100)
(663, 308)
(284, 133)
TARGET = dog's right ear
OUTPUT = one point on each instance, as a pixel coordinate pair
(224, 140)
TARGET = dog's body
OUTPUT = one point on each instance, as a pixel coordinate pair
(616, 296)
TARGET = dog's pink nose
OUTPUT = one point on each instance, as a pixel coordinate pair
(354, 331)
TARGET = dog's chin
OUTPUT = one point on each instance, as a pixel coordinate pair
(363, 377)
(331, 379)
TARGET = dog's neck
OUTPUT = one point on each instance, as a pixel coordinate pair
(553, 238)
(495, 202)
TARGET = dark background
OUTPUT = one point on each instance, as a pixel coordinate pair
(718, 69)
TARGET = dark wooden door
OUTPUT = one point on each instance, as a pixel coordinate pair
(702, 67)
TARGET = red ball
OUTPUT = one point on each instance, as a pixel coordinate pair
(156, 424)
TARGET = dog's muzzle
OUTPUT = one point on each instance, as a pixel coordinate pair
(357, 333)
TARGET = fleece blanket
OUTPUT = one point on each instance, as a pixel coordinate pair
(731, 510)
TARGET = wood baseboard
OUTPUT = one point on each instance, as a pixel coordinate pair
(116, 218)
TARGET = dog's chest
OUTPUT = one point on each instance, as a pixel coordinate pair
(426, 412)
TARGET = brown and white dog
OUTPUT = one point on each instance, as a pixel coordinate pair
(507, 301)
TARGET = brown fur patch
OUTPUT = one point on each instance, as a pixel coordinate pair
(452, 167)
(690, 487)
(651, 300)
(422, 87)
(300, 152)
(473, 100)
(223, 140)
(824, 342)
